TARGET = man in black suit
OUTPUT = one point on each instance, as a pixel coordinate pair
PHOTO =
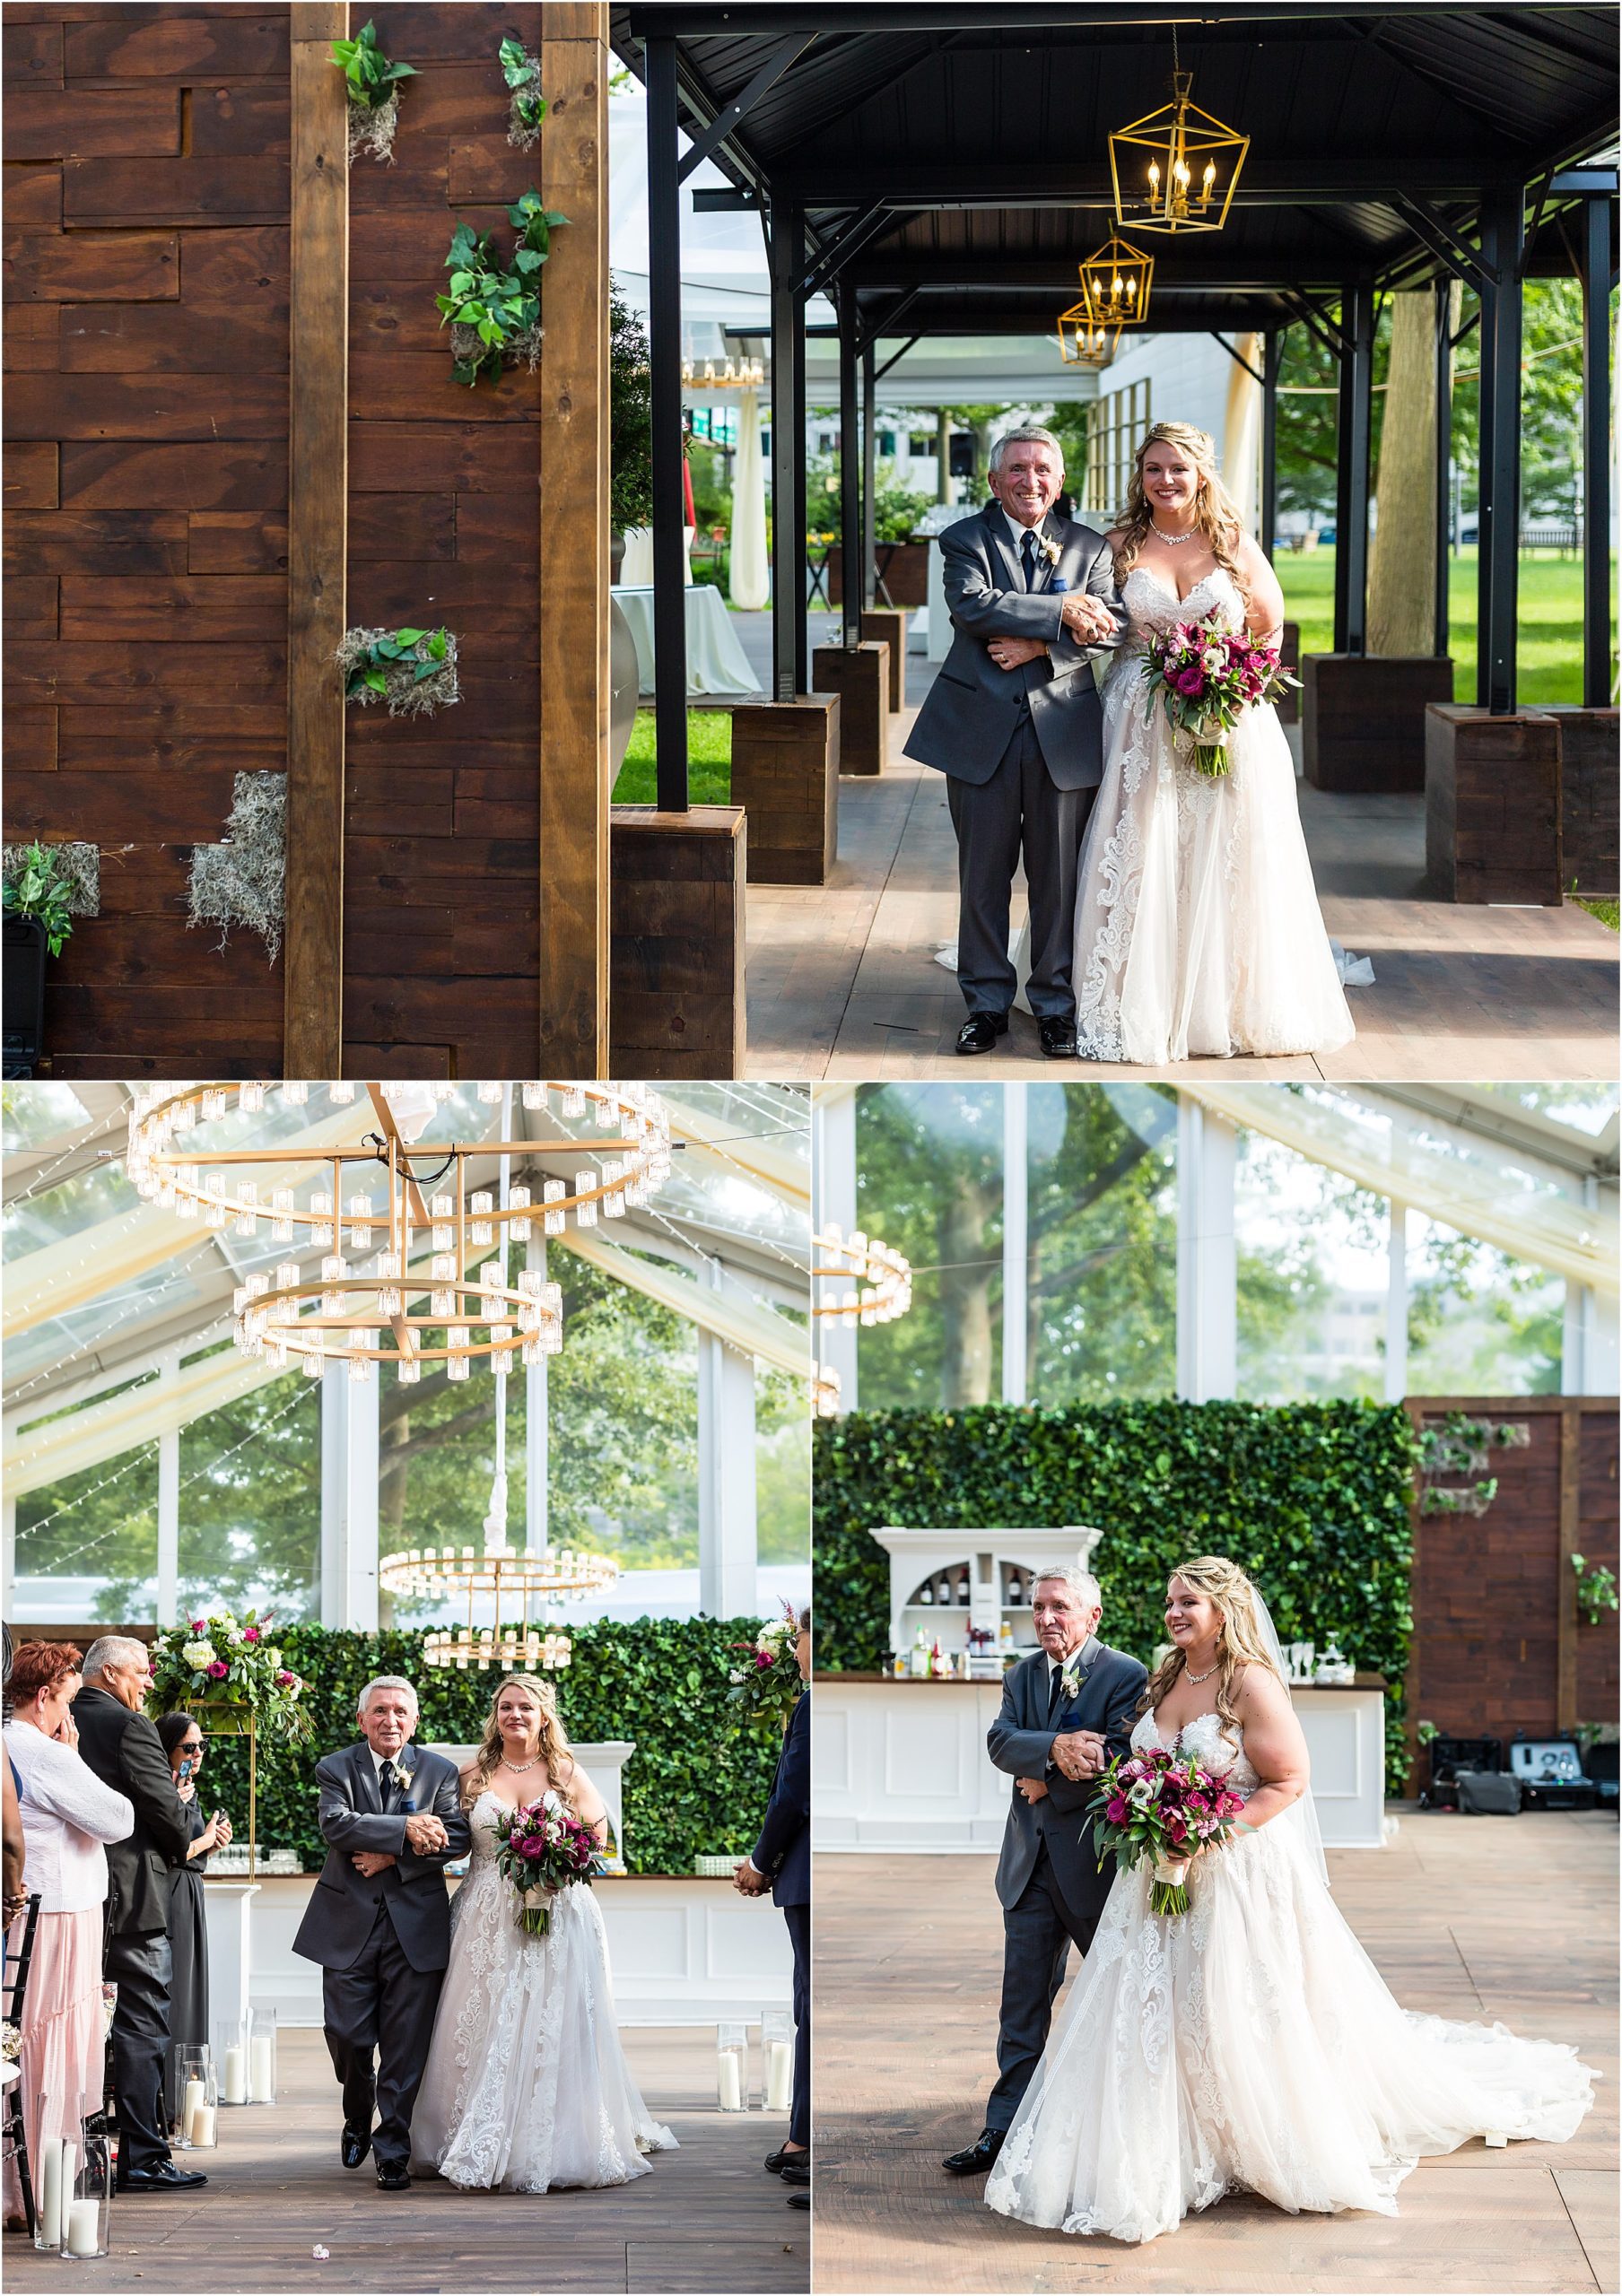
(1048, 1880)
(379, 1918)
(121, 1746)
(781, 1861)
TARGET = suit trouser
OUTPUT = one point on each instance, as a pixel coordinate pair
(1019, 807)
(799, 1918)
(380, 2002)
(1038, 1931)
(140, 1966)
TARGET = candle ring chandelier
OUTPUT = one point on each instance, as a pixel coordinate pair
(1176, 168)
(437, 1244)
(857, 1258)
(517, 1582)
(734, 374)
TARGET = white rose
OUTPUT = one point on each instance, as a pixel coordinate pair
(1212, 659)
(551, 1799)
(1142, 1794)
(198, 1654)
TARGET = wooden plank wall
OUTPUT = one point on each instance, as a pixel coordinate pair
(145, 415)
(1489, 1592)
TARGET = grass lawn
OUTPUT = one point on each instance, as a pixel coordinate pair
(1550, 653)
(1608, 912)
(709, 761)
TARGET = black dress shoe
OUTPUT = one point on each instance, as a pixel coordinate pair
(355, 2144)
(797, 2169)
(774, 2160)
(800, 2200)
(393, 2176)
(975, 2159)
(1058, 1039)
(161, 2177)
(981, 1031)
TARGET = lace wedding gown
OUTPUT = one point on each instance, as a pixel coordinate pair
(1198, 929)
(526, 2085)
(1251, 2044)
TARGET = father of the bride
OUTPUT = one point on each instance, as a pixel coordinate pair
(1047, 1878)
(379, 1918)
(1014, 721)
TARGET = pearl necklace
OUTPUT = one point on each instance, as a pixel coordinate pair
(1172, 542)
(1201, 1678)
(518, 1768)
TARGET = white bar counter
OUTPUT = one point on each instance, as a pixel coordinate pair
(902, 1765)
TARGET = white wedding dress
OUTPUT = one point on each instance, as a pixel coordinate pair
(1250, 2044)
(1197, 930)
(526, 2085)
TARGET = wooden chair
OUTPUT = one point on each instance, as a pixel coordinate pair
(13, 2133)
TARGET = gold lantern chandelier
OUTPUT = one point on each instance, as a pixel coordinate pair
(1175, 168)
(1115, 282)
(1082, 342)
(435, 1291)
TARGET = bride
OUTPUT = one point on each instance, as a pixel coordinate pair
(1250, 2044)
(1197, 930)
(526, 2085)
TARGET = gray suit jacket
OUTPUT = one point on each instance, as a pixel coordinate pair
(1020, 1742)
(970, 711)
(344, 1904)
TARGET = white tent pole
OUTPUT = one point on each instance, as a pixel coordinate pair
(169, 1503)
(1016, 1235)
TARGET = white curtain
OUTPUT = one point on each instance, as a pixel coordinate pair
(1242, 445)
(750, 586)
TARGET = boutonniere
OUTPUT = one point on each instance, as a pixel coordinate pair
(401, 1775)
(1048, 548)
(1071, 1677)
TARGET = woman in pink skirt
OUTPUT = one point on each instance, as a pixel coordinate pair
(67, 1814)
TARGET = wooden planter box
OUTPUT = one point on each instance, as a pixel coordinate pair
(905, 567)
(1492, 805)
(785, 775)
(890, 626)
(1588, 796)
(861, 679)
(1363, 718)
(676, 993)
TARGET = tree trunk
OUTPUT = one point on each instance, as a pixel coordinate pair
(1402, 562)
(965, 1296)
(393, 1481)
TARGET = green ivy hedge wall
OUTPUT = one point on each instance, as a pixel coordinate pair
(1313, 1499)
(697, 1782)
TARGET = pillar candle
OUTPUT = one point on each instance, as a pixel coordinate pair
(235, 2091)
(779, 2077)
(263, 2080)
(202, 2129)
(50, 2190)
(83, 2229)
(196, 2091)
(731, 2093)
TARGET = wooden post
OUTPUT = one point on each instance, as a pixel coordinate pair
(573, 601)
(1566, 1717)
(316, 542)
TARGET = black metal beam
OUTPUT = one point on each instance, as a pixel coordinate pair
(1596, 458)
(1499, 497)
(1465, 262)
(1238, 357)
(1272, 358)
(1444, 452)
(1332, 178)
(785, 254)
(896, 357)
(884, 322)
(869, 473)
(786, 52)
(826, 265)
(665, 378)
(748, 19)
(850, 473)
(1352, 469)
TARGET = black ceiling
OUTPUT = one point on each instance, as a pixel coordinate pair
(980, 132)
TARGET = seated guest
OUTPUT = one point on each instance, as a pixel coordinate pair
(122, 1746)
(184, 1744)
(68, 1814)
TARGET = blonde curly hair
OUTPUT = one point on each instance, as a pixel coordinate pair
(1215, 512)
(1240, 1640)
(554, 1745)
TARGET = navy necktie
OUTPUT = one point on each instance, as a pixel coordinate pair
(1028, 548)
(1055, 1692)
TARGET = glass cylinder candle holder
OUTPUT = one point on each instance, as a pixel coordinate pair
(732, 2068)
(54, 2168)
(262, 2057)
(87, 2204)
(230, 2052)
(199, 2097)
(777, 2059)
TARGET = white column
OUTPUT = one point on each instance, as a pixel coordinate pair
(168, 1503)
(349, 1501)
(537, 1430)
(726, 1530)
(1206, 1258)
(748, 576)
(833, 1201)
(1016, 1238)
(1396, 1304)
(1588, 1350)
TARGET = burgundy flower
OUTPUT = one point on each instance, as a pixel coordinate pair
(250, 1634)
(283, 1678)
(1190, 681)
(1116, 1812)
(218, 1671)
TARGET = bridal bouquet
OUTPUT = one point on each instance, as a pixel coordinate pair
(1156, 1809)
(1205, 677)
(544, 1848)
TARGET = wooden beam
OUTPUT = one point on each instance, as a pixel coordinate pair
(316, 536)
(1565, 1594)
(573, 603)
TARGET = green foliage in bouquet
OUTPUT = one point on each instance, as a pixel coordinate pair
(1313, 1499)
(765, 1678)
(234, 1662)
(697, 1782)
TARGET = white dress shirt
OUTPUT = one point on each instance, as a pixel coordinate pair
(1017, 535)
(67, 1814)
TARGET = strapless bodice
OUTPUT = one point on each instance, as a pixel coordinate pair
(1208, 1742)
(1154, 605)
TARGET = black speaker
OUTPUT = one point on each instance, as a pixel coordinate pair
(23, 994)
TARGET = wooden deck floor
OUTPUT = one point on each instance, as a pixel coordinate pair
(708, 2217)
(1468, 1919)
(843, 982)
